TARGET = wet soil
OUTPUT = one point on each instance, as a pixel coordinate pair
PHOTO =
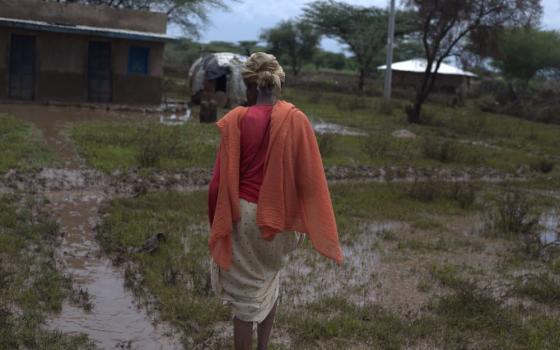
(115, 320)
(111, 317)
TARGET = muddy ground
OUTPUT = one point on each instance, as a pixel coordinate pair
(374, 273)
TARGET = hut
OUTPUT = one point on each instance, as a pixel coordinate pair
(450, 79)
(217, 77)
(73, 53)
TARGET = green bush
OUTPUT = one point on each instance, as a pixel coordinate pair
(327, 144)
(444, 151)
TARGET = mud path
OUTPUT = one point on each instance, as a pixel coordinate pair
(106, 311)
(114, 321)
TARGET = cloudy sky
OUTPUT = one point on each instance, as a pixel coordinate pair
(246, 19)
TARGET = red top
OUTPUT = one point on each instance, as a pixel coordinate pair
(254, 131)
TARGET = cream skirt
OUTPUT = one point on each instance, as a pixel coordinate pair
(251, 284)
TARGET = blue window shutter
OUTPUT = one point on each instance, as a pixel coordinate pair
(138, 60)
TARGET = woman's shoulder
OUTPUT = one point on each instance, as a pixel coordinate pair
(232, 116)
(290, 110)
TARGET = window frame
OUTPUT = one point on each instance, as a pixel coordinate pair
(133, 54)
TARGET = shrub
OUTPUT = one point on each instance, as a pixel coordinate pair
(514, 214)
(513, 217)
(350, 103)
(386, 107)
(157, 142)
(543, 165)
(376, 145)
(388, 146)
(424, 190)
(444, 151)
(327, 143)
(464, 193)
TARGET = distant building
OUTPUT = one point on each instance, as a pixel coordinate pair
(77, 53)
(450, 79)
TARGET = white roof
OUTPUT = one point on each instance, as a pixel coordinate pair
(419, 66)
(87, 30)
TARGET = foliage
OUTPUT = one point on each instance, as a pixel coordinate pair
(188, 14)
(525, 51)
(293, 42)
(329, 60)
(445, 25)
(362, 29)
(111, 146)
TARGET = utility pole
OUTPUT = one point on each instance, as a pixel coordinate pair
(390, 41)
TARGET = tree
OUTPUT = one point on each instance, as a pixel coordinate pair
(330, 60)
(187, 14)
(445, 24)
(524, 52)
(362, 29)
(294, 42)
(248, 46)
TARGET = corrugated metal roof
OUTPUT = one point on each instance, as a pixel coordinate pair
(84, 30)
(419, 66)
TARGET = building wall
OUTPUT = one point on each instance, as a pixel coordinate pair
(61, 72)
(95, 16)
(4, 58)
(131, 88)
(443, 83)
(61, 68)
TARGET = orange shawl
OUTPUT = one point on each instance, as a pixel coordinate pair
(294, 195)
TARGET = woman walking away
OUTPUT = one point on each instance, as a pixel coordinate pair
(268, 185)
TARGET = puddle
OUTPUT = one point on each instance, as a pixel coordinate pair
(309, 276)
(175, 118)
(322, 127)
(550, 223)
(114, 320)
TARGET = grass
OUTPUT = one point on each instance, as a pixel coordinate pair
(513, 142)
(111, 146)
(462, 317)
(177, 274)
(454, 138)
(29, 280)
(337, 320)
(471, 319)
(356, 202)
(466, 319)
(22, 146)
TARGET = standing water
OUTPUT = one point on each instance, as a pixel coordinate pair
(550, 223)
(114, 320)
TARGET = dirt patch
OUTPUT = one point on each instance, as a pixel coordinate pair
(112, 318)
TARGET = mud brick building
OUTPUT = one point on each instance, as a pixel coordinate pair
(76, 53)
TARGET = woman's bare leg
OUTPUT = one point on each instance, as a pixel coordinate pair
(264, 328)
(242, 334)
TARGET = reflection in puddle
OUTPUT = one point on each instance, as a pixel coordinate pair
(115, 321)
(114, 318)
(550, 223)
(309, 277)
(175, 118)
(322, 127)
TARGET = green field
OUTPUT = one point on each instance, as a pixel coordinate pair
(22, 146)
(450, 138)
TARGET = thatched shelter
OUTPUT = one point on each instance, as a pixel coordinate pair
(217, 77)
